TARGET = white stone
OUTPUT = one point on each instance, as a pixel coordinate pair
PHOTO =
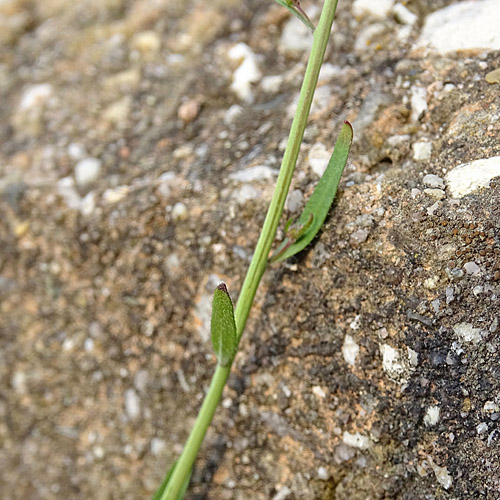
(463, 26)
(322, 473)
(350, 350)
(378, 8)
(412, 356)
(318, 391)
(481, 428)
(437, 194)
(114, 195)
(271, 83)
(391, 360)
(422, 151)
(328, 72)
(251, 174)
(471, 268)
(132, 404)
(282, 493)
(87, 205)
(366, 36)
(87, 171)
(318, 158)
(246, 193)
(404, 15)
(294, 200)
(441, 473)
(432, 416)
(467, 332)
(433, 181)
(76, 151)
(232, 114)
(418, 103)
(147, 42)
(491, 407)
(35, 96)
(468, 177)
(157, 446)
(246, 73)
(179, 212)
(66, 189)
(356, 440)
(296, 37)
(18, 382)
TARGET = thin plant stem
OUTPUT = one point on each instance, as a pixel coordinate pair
(260, 257)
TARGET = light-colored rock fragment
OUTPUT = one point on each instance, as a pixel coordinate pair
(472, 268)
(433, 181)
(350, 350)
(356, 440)
(157, 446)
(35, 96)
(87, 171)
(442, 475)
(132, 404)
(179, 212)
(418, 103)
(66, 189)
(422, 151)
(432, 416)
(251, 174)
(437, 194)
(87, 205)
(294, 200)
(467, 333)
(296, 37)
(318, 158)
(391, 361)
(468, 177)
(146, 42)
(271, 83)
(404, 15)
(463, 26)
(114, 195)
(378, 9)
(246, 73)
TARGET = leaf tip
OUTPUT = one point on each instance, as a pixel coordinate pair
(222, 287)
(347, 122)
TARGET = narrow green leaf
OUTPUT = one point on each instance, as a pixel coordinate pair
(320, 201)
(159, 494)
(294, 7)
(223, 326)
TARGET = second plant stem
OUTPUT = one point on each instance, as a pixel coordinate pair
(260, 256)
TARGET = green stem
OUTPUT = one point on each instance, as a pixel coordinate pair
(260, 257)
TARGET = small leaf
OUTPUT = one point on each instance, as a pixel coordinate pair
(320, 201)
(223, 326)
(294, 7)
(161, 490)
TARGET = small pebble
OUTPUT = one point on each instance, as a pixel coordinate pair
(350, 350)
(179, 212)
(87, 171)
(433, 181)
(359, 237)
(472, 268)
(422, 151)
(432, 416)
(437, 194)
(322, 473)
(295, 200)
(189, 110)
(132, 404)
(482, 428)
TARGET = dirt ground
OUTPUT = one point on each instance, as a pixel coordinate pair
(370, 366)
